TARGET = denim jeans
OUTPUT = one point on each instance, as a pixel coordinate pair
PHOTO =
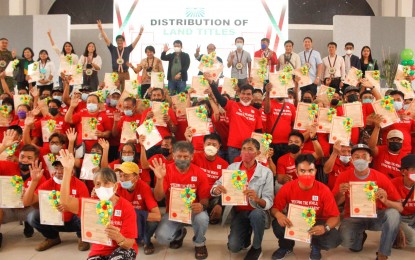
(243, 224)
(52, 232)
(408, 227)
(145, 228)
(233, 153)
(351, 230)
(169, 231)
(176, 86)
(326, 241)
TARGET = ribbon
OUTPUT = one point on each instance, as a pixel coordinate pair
(104, 210)
(288, 68)
(201, 112)
(263, 62)
(359, 74)
(149, 125)
(239, 179)
(330, 92)
(146, 103)
(4, 110)
(78, 69)
(266, 140)
(304, 70)
(51, 124)
(332, 112)
(133, 126)
(134, 84)
(15, 62)
(387, 103)
(312, 111)
(376, 75)
(406, 70)
(25, 99)
(114, 77)
(160, 76)
(35, 65)
(68, 58)
(102, 95)
(208, 60)
(261, 72)
(17, 182)
(348, 124)
(406, 84)
(234, 83)
(96, 159)
(11, 149)
(370, 189)
(93, 123)
(203, 81)
(285, 77)
(51, 158)
(309, 216)
(188, 195)
(54, 198)
(182, 97)
(164, 108)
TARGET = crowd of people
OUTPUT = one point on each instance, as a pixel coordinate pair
(301, 167)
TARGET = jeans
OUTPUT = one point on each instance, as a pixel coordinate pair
(169, 231)
(243, 224)
(233, 153)
(145, 233)
(52, 232)
(351, 230)
(176, 86)
(326, 241)
(408, 227)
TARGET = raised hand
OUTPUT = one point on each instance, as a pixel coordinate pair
(36, 171)
(159, 168)
(198, 49)
(75, 102)
(141, 139)
(117, 116)
(99, 23)
(66, 158)
(337, 147)
(34, 92)
(104, 144)
(71, 135)
(30, 119)
(9, 138)
(141, 29)
(188, 134)
(166, 47)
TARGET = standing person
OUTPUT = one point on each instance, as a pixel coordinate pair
(22, 77)
(366, 60)
(210, 48)
(6, 56)
(240, 61)
(266, 52)
(289, 57)
(120, 55)
(91, 63)
(334, 67)
(350, 60)
(312, 59)
(47, 71)
(179, 63)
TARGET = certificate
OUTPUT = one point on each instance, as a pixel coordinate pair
(235, 182)
(179, 211)
(157, 80)
(355, 112)
(325, 94)
(91, 228)
(77, 77)
(402, 72)
(353, 77)
(128, 131)
(258, 77)
(210, 66)
(9, 69)
(260, 63)
(90, 162)
(159, 109)
(304, 76)
(21, 99)
(405, 87)
(360, 205)
(66, 65)
(280, 81)
(89, 127)
(199, 85)
(264, 149)
(299, 230)
(340, 130)
(49, 215)
(180, 103)
(48, 128)
(49, 159)
(197, 121)
(110, 79)
(153, 136)
(410, 111)
(230, 86)
(387, 111)
(33, 72)
(303, 118)
(373, 76)
(131, 87)
(5, 116)
(325, 116)
(9, 197)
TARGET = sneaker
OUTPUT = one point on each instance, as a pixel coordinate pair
(281, 253)
(28, 230)
(176, 244)
(253, 254)
(363, 242)
(201, 252)
(48, 243)
(315, 253)
(83, 246)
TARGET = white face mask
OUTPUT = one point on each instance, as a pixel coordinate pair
(210, 150)
(411, 176)
(55, 179)
(177, 49)
(245, 104)
(239, 45)
(55, 148)
(349, 52)
(289, 100)
(104, 193)
(344, 159)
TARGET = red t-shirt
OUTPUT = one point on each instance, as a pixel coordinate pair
(338, 168)
(141, 197)
(124, 218)
(12, 168)
(164, 130)
(134, 118)
(198, 141)
(109, 111)
(60, 126)
(388, 163)
(250, 172)
(194, 178)
(323, 139)
(78, 189)
(381, 181)
(222, 129)
(319, 198)
(286, 164)
(264, 119)
(181, 128)
(284, 126)
(159, 156)
(272, 62)
(403, 191)
(212, 169)
(406, 126)
(241, 118)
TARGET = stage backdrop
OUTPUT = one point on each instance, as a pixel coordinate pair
(200, 22)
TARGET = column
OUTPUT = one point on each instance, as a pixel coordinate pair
(405, 8)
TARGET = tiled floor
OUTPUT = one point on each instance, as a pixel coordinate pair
(16, 247)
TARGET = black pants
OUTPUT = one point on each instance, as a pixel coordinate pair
(91, 81)
(144, 88)
(312, 87)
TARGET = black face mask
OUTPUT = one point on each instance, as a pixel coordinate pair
(158, 100)
(352, 98)
(293, 148)
(395, 146)
(334, 102)
(165, 152)
(257, 105)
(307, 100)
(24, 167)
(53, 111)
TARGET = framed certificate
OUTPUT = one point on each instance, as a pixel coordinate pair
(198, 120)
(405, 87)
(179, 211)
(361, 203)
(235, 182)
(299, 230)
(355, 112)
(304, 76)
(213, 72)
(90, 162)
(258, 77)
(110, 79)
(264, 140)
(89, 127)
(128, 131)
(402, 72)
(66, 65)
(180, 103)
(21, 99)
(10, 196)
(48, 128)
(159, 109)
(131, 87)
(385, 108)
(280, 81)
(325, 116)
(340, 130)
(77, 77)
(157, 80)
(304, 117)
(353, 77)
(49, 215)
(229, 86)
(153, 136)
(199, 85)
(373, 76)
(91, 228)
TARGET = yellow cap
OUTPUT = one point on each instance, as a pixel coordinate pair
(128, 168)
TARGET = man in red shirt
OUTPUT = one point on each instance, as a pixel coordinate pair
(338, 162)
(130, 116)
(266, 52)
(387, 158)
(306, 192)
(405, 185)
(182, 174)
(352, 229)
(111, 109)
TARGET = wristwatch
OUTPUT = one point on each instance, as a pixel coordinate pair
(315, 138)
(327, 228)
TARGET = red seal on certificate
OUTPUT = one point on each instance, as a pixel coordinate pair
(320, 127)
(174, 214)
(334, 138)
(356, 210)
(299, 124)
(88, 234)
(193, 130)
(274, 92)
(148, 143)
(228, 198)
(384, 121)
(154, 120)
(291, 233)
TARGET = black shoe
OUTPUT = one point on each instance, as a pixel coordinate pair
(28, 230)
(1, 239)
(281, 253)
(176, 244)
(315, 253)
(363, 242)
(253, 254)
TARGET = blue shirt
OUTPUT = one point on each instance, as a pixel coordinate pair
(314, 60)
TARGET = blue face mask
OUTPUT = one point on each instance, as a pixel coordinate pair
(367, 100)
(91, 107)
(264, 46)
(128, 112)
(126, 185)
(84, 96)
(127, 158)
(113, 102)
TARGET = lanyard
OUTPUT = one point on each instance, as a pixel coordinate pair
(152, 63)
(309, 55)
(330, 61)
(120, 69)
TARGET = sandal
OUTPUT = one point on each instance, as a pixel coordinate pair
(176, 244)
(201, 252)
(149, 249)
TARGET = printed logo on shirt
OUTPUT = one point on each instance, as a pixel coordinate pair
(219, 167)
(140, 171)
(61, 123)
(194, 178)
(117, 213)
(139, 196)
(252, 111)
(73, 192)
(100, 118)
(315, 198)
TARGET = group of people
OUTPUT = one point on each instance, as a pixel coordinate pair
(301, 167)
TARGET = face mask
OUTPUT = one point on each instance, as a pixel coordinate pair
(334, 102)
(126, 185)
(248, 157)
(360, 165)
(84, 96)
(21, 114)
(367, 101)
(128, 112)
(306, 180)
(245, 104)
(127, 158)
(406, 106)
(349, 52)
(307, 100)
(210, 150)
(58, 98)
(352, 98)
(182, 164)
(24, 167)
(293, 148)
(113, 102)
(394, 146)
(165, 152)
(104, 193)
(411, 176)
(177, 49)
(53, 111)
(257, 105)
(344, 159)
(91, 107)
(290, 100)
(55, 148)
(397, 105)
(264, 46)
(239, 45)
(55, 179)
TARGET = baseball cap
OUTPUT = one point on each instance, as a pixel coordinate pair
(114, 91)
(361, 147)
(128, 168)
(408, 161)
(56, 162)
(350, 88)
(395, 133)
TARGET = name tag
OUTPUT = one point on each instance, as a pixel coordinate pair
(315, 198)
(100, 118)
(194, 178)
(219, 166)
(61, 123)
(73, 192)
(117, 213)
(139, 196)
